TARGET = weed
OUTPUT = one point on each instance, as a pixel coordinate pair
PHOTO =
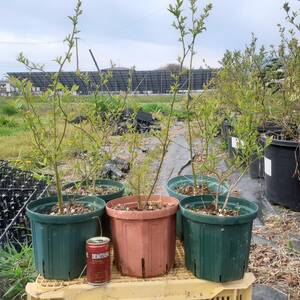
(17, 269)
(4, 122)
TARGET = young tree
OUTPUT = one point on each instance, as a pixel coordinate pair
(49, 134)
(187, 37)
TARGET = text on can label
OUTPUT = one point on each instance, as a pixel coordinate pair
(100, 255)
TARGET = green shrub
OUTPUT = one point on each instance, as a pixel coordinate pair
(162, 108)
(155, 107)
(10, 127)
(9, 109)
(108, 104)
(4, 122)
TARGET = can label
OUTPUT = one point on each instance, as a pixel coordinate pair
(98, 260)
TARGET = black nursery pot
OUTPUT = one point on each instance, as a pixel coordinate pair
(225, 129)
(282, 171)
(256, 169)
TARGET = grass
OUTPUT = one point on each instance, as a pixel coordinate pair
(10, 119)
(14, 145)
(9, 110)
(15, 139)
(163, 108)
(17, 269)
(154, 98)
(8, 106)
(4, 122)
(11, 126)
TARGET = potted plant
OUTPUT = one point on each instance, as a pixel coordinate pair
(217, 228)
(282, 157)
(247, 73)
(60, 224)
(206, 123)
(96, 147)
(181, 187)
(143, 226)
(93, 140)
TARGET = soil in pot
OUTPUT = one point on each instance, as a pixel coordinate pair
(212, 210)
(144, 240)
(88, 190)
(181, 187)
(141, 206)
(217, 247)
(190, 190)
(104, 188)
(70, 208)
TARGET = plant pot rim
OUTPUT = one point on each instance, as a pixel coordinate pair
(269, 125)
(285, 143)
(250, 207)
(172, 203)
(190, 178)
(282, 143)
(105, 182)
(33, 209)
(200, 178)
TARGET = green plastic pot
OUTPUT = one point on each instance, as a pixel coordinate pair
(59, 241)
(106, 230)
(217, 248)
(211, 182)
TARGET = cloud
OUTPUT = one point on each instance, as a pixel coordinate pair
(130, 32)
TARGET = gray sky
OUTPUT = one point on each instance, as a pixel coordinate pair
(128, 32)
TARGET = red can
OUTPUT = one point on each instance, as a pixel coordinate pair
(98, 260)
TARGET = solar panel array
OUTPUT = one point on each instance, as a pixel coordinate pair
(156, 82)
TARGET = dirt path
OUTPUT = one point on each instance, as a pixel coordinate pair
(176, 157)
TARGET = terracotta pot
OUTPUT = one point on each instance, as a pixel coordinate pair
(144, 241)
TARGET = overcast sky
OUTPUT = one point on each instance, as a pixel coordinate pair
(128, 32)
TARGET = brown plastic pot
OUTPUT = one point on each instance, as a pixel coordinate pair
(144, 241)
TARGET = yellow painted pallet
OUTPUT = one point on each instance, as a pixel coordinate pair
(179, 284)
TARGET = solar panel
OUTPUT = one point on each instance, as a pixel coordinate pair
(157, 81)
